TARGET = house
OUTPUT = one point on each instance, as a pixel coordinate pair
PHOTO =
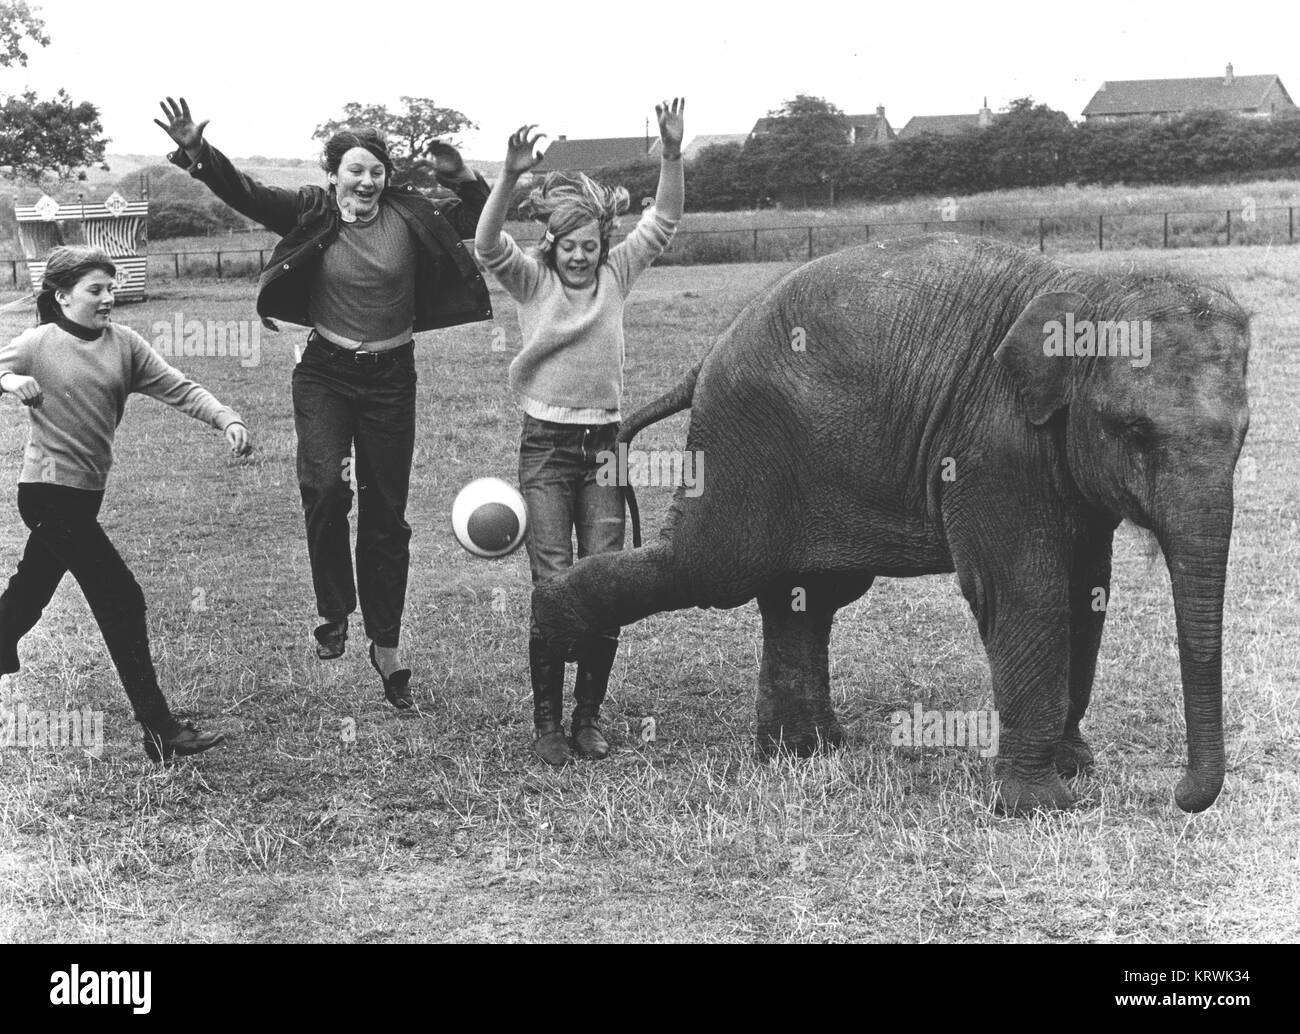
(948, 125)
(1258, 96)
(590, 155)
(863, 129)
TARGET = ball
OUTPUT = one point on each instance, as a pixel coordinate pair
(489, 518)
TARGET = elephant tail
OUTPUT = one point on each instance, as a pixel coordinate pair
(672, 401)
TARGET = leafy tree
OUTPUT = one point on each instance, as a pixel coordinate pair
(19, 22)
(1029, 146)
(58, 136)
(803, 152)
(716, 179)
(410, 130)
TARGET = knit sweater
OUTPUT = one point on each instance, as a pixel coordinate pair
(573, 347)
(85, 385)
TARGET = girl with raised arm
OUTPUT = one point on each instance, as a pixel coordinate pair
(569, 380)
(74, 372)
(365, 264)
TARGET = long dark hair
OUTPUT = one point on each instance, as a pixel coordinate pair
(63, 271)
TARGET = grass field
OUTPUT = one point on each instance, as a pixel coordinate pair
(440, 826)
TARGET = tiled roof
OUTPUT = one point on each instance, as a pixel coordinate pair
(590, 155)
(944, 125)
(1153, 96)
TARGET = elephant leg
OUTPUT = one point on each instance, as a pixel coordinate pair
(606, 591)
(1022, 607)
(1089, 598)
(794, 704)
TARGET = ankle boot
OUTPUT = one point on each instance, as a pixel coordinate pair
(547, 671)
(589, 693)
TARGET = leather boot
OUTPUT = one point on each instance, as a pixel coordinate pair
(547, 671)
(589, 693)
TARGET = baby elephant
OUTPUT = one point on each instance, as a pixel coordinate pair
(939, 404)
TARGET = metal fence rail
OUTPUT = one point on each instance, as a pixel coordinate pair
(1273, 225)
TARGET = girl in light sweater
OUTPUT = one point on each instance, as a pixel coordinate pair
(74, 372)
(569, 381)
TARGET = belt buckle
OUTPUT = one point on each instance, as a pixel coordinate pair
(358, 354)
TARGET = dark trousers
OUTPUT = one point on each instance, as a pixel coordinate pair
(557, 476)
(66, 536)
(338, 403)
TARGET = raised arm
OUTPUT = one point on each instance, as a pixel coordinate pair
(470, 188)
(274, 207)
(670, 199)
(520, 157)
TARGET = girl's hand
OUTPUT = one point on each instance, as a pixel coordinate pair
(672, 126)
(447, 162)
(180, 126)
(241, 443)
(521, 152)
(25, 389)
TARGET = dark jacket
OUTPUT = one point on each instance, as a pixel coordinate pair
(449, 289)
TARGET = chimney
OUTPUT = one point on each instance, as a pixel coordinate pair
(561, 137)
(986, 116)
(880, 111)
(1227, 75)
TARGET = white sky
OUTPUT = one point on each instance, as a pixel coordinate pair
(266, 73)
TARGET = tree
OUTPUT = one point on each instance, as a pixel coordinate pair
(19, 22)
(410, 131)
(1029, 146)
(802, 152)
(56, 136)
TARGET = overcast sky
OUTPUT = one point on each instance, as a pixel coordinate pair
(266, 73)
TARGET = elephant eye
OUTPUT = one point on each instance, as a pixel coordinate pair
(1139, 430)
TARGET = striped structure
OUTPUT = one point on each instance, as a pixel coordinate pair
(116, 225)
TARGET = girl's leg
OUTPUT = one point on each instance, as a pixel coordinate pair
(385, 445)
(30, 591)
(64, 521)
(323, 419)
(550, 468)
(601, 529)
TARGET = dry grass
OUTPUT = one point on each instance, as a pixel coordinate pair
(441, 827)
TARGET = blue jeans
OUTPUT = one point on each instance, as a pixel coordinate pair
(557, 475)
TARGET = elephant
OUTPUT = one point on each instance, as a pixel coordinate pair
(938, 404)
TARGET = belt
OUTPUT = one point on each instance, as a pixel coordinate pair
(359, 356)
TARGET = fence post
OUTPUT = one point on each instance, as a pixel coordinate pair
(1042, 232)
(1099, 235)
(218, 265)
(868, 236)
(14, 269)
(261, 260)
(176, 264)
(755, 243)
(1229, 241)
(1290, 225)
(810, 230)
(1166, 243)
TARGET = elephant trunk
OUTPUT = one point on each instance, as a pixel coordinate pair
(1195, 545)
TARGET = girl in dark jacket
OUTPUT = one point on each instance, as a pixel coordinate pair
(365, 264)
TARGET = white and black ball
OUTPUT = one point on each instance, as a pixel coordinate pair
(489, 518)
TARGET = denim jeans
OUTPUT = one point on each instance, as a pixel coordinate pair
(557, 475)
(66, 536)
(339, 402)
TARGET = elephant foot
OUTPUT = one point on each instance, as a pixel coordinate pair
(1017, 795)
(798, 740)
(1073, 756)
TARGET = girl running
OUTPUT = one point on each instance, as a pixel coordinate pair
(74, 372)
(569, 381)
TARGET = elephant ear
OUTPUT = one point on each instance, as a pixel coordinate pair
(1029, 352)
